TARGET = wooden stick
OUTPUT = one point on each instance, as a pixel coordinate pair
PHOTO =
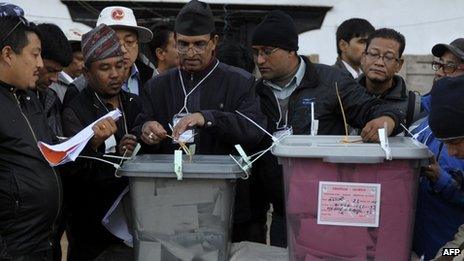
(183, 147)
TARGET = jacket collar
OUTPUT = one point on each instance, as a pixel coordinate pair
(397, 92)
(7, 86)
(310, 78)
(196, 76)
(92, 94)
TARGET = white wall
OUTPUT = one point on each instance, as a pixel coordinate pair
(423, 23)
(49, 11)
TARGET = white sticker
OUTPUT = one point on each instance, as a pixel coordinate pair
(188, 135)
(178, 164)
(348, 204)
(110, 145)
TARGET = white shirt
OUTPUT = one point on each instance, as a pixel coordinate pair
(352, 71)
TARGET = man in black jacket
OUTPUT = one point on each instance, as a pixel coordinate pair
(104, 71)
(351, 42)
(381, 61)
(201, 96)
(289, 86)
(30, 190)
(56, 54)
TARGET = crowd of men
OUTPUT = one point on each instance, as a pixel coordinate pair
(53, 84)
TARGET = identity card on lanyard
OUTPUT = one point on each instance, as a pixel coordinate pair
(188, 135)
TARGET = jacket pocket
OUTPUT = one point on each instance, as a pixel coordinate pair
(10, 196)
(15, 194)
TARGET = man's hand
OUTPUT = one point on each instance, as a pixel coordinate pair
(432, 171)
(152, 133)
(190, 121)
(102, 130)
(370, 132)
(127, 145)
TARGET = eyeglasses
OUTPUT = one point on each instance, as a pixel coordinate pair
(22, 20)
(129, 43)
(197, 47)
(388, 58)
(265, 52)
(447, 68)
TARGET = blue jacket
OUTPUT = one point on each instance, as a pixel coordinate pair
(440, 204)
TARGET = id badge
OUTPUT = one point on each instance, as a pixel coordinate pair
(283, 132)
(188, 135)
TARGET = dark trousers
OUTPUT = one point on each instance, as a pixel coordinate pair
(39, 256)
(278, 233)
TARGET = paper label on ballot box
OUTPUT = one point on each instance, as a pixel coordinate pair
(348, 204)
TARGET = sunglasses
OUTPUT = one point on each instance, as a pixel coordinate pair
(23, 21)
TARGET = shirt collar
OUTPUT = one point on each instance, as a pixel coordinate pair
(296, 80)
(134, 71)
(351, 70)
(64, 77)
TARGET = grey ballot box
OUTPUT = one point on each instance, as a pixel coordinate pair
(188, 219)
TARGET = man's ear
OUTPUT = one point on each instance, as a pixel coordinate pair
(215, 40)
(159, 52)
(86, 72)
(400, 65)
(6, 54)
(342, 44)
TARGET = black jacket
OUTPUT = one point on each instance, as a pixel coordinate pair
(30, 190)
(91, 187)
(52, 108)
(399, 97)
(340, 65)
(226, 90)
(318, 85)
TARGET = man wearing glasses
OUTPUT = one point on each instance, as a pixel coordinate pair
(438, 216)
(290, 86)
(199, 100)
(123, 21)
(450, 59)
(381, 61)
(447, 100)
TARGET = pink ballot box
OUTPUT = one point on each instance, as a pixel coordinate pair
(345, 201)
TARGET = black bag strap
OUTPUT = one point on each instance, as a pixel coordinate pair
(414, 108)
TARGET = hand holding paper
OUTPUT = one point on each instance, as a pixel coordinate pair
(153, 132)
(103, 129)
(69, 150)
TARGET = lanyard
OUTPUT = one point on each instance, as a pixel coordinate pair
(280, 113)
(122, 110)
(186, 95)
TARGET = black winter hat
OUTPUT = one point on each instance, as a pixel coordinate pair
(276, 30)
(195, 18)
(447, 113)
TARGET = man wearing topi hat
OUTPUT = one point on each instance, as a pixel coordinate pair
(104, 71)
(201, 96)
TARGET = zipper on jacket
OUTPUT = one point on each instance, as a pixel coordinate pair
(54, 172)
